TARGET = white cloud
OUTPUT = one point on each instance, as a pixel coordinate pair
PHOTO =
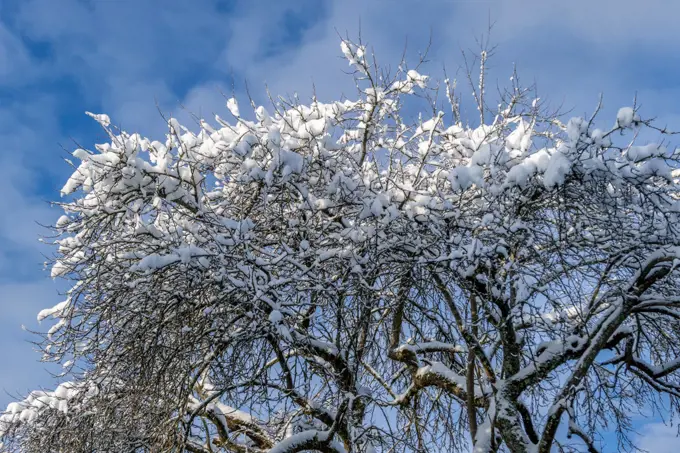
(14, 58)
(658, 438)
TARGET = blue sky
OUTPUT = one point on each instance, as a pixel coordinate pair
(130, 58)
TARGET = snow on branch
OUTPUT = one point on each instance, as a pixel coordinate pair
(367, 274)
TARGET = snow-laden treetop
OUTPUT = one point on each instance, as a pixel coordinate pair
(337, 277)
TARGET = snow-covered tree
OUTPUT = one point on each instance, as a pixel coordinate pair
(335, 277)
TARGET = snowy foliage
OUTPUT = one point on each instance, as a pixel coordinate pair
(333, 277)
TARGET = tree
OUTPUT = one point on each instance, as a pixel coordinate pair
(334, 277)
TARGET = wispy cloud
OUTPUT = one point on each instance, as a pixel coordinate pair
(658, 438)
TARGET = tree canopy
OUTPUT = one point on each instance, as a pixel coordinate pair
(353, 277)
